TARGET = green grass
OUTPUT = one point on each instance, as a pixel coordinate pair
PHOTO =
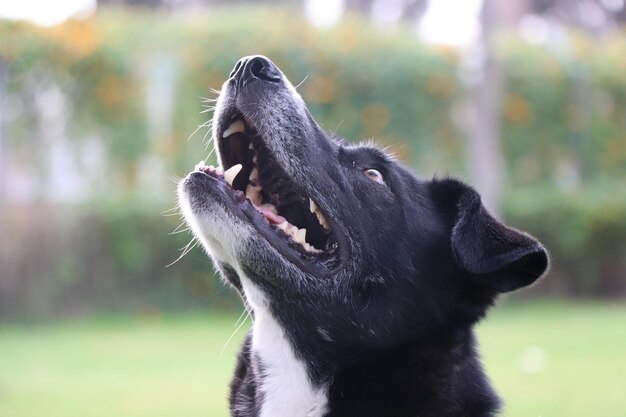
(545, 359)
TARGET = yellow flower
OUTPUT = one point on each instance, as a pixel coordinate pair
(517, 110)
(79, 38)
(440, 86)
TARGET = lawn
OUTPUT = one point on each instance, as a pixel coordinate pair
(546, 359)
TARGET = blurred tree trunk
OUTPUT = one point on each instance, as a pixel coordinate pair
(486, 160)
(4, 76)
(414, 10)
(359, 6)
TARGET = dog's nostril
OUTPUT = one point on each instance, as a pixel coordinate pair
(263, 69)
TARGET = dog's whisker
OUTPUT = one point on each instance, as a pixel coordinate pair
(192, 244)
(178, 229)
(241, 316)
(306, 77)
(203, 125)
(175, 179)
(234, 333)
(171, 210)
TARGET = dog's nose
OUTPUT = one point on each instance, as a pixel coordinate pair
(253, 68)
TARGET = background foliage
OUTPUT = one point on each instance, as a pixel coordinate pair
(564, 132)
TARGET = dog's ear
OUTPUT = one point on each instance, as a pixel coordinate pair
(495, 255)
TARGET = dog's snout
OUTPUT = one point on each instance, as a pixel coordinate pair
(253, 68)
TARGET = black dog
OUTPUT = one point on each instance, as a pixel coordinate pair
(364, 281)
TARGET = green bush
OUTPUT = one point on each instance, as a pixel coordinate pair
(118, 257)
(564, 142)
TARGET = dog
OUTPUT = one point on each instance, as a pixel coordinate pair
(363, 280)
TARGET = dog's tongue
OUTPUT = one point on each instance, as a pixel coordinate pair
(269, 214)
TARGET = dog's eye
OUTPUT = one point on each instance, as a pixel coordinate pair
(374, 175)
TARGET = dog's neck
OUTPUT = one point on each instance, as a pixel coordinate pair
(285, 387)
(441, 374)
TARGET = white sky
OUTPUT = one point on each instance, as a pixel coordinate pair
(46, 12)
(452, 22)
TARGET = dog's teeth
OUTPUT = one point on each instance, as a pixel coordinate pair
(291, 230)
(311, 249)
(255, 159)
(231, 173)
(199, 166)
(218, 170)
(235, 127)
(300, 236)
(283, 226)
(320, 217)
(251, 146)
(322, 220)
(253, 192)
(254, 174)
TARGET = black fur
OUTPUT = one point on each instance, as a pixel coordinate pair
(385, 324)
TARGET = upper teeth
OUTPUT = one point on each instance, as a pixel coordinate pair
(320, 217)
(254, 174)
(253, 193)
(231, 173)
(235, 127)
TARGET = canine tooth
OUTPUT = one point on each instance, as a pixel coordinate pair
(235, 127)
(253, 192)
(322, 220)
(254, 174)
(231, 173)
(251, 146)
(312, 205)
(300, 236)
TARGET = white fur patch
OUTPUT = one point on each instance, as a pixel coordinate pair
(286, 387)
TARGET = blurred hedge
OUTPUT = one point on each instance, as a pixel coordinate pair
(564, 127)
(117, 257)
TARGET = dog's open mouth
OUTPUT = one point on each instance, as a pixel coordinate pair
(254, 177)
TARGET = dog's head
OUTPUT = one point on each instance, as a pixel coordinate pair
(341, 242)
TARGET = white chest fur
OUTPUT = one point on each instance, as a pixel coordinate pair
(286, 387)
